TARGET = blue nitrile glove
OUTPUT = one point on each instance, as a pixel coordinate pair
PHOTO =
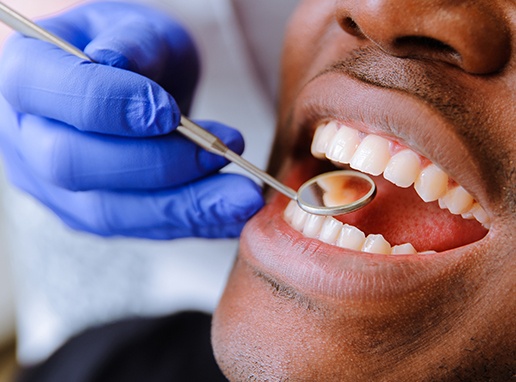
(95, 143)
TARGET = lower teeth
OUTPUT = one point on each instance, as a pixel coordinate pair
(331, 231)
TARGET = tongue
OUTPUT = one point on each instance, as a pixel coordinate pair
(402, 217)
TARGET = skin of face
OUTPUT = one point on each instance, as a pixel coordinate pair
(439, 77)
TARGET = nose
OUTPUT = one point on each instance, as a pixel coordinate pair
(471, 34)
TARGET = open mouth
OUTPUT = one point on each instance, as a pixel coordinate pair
(419, 209)
(403, 239)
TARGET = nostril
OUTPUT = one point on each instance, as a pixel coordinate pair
(476, 37)
(422, 46)
(350, 26)
(422, 42)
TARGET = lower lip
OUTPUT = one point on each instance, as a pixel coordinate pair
(312, 268)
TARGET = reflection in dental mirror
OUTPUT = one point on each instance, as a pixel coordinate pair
(336, 193)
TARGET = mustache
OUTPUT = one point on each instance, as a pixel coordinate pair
(423, 79)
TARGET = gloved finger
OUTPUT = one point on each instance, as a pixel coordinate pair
(135, 38)
(90, 97)
(213, 207)
(165, 55)
(76, 160)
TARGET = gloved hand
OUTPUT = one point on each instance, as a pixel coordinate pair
(95, 142)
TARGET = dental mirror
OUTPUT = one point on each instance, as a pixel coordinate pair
(333, 193)
(336, 193)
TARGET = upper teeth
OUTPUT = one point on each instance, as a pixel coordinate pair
(375, 155)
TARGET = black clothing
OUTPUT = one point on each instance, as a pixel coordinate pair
(174, 348)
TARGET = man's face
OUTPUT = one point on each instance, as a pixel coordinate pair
(420, 92)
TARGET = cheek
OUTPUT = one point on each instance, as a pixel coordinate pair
(304, 40)
(314, 41)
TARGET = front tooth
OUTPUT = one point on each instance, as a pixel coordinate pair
(403, 168)
(372, 155)
(403, 249)
(299, 219)
(376, 244)
(343, 146)
(330, 230)
(351, 238)
(457, 200)
(322, 138)
(290, 211)
(431, 184)
(313, 225)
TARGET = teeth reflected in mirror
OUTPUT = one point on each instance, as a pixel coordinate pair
(339, 190)
(336, 193)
